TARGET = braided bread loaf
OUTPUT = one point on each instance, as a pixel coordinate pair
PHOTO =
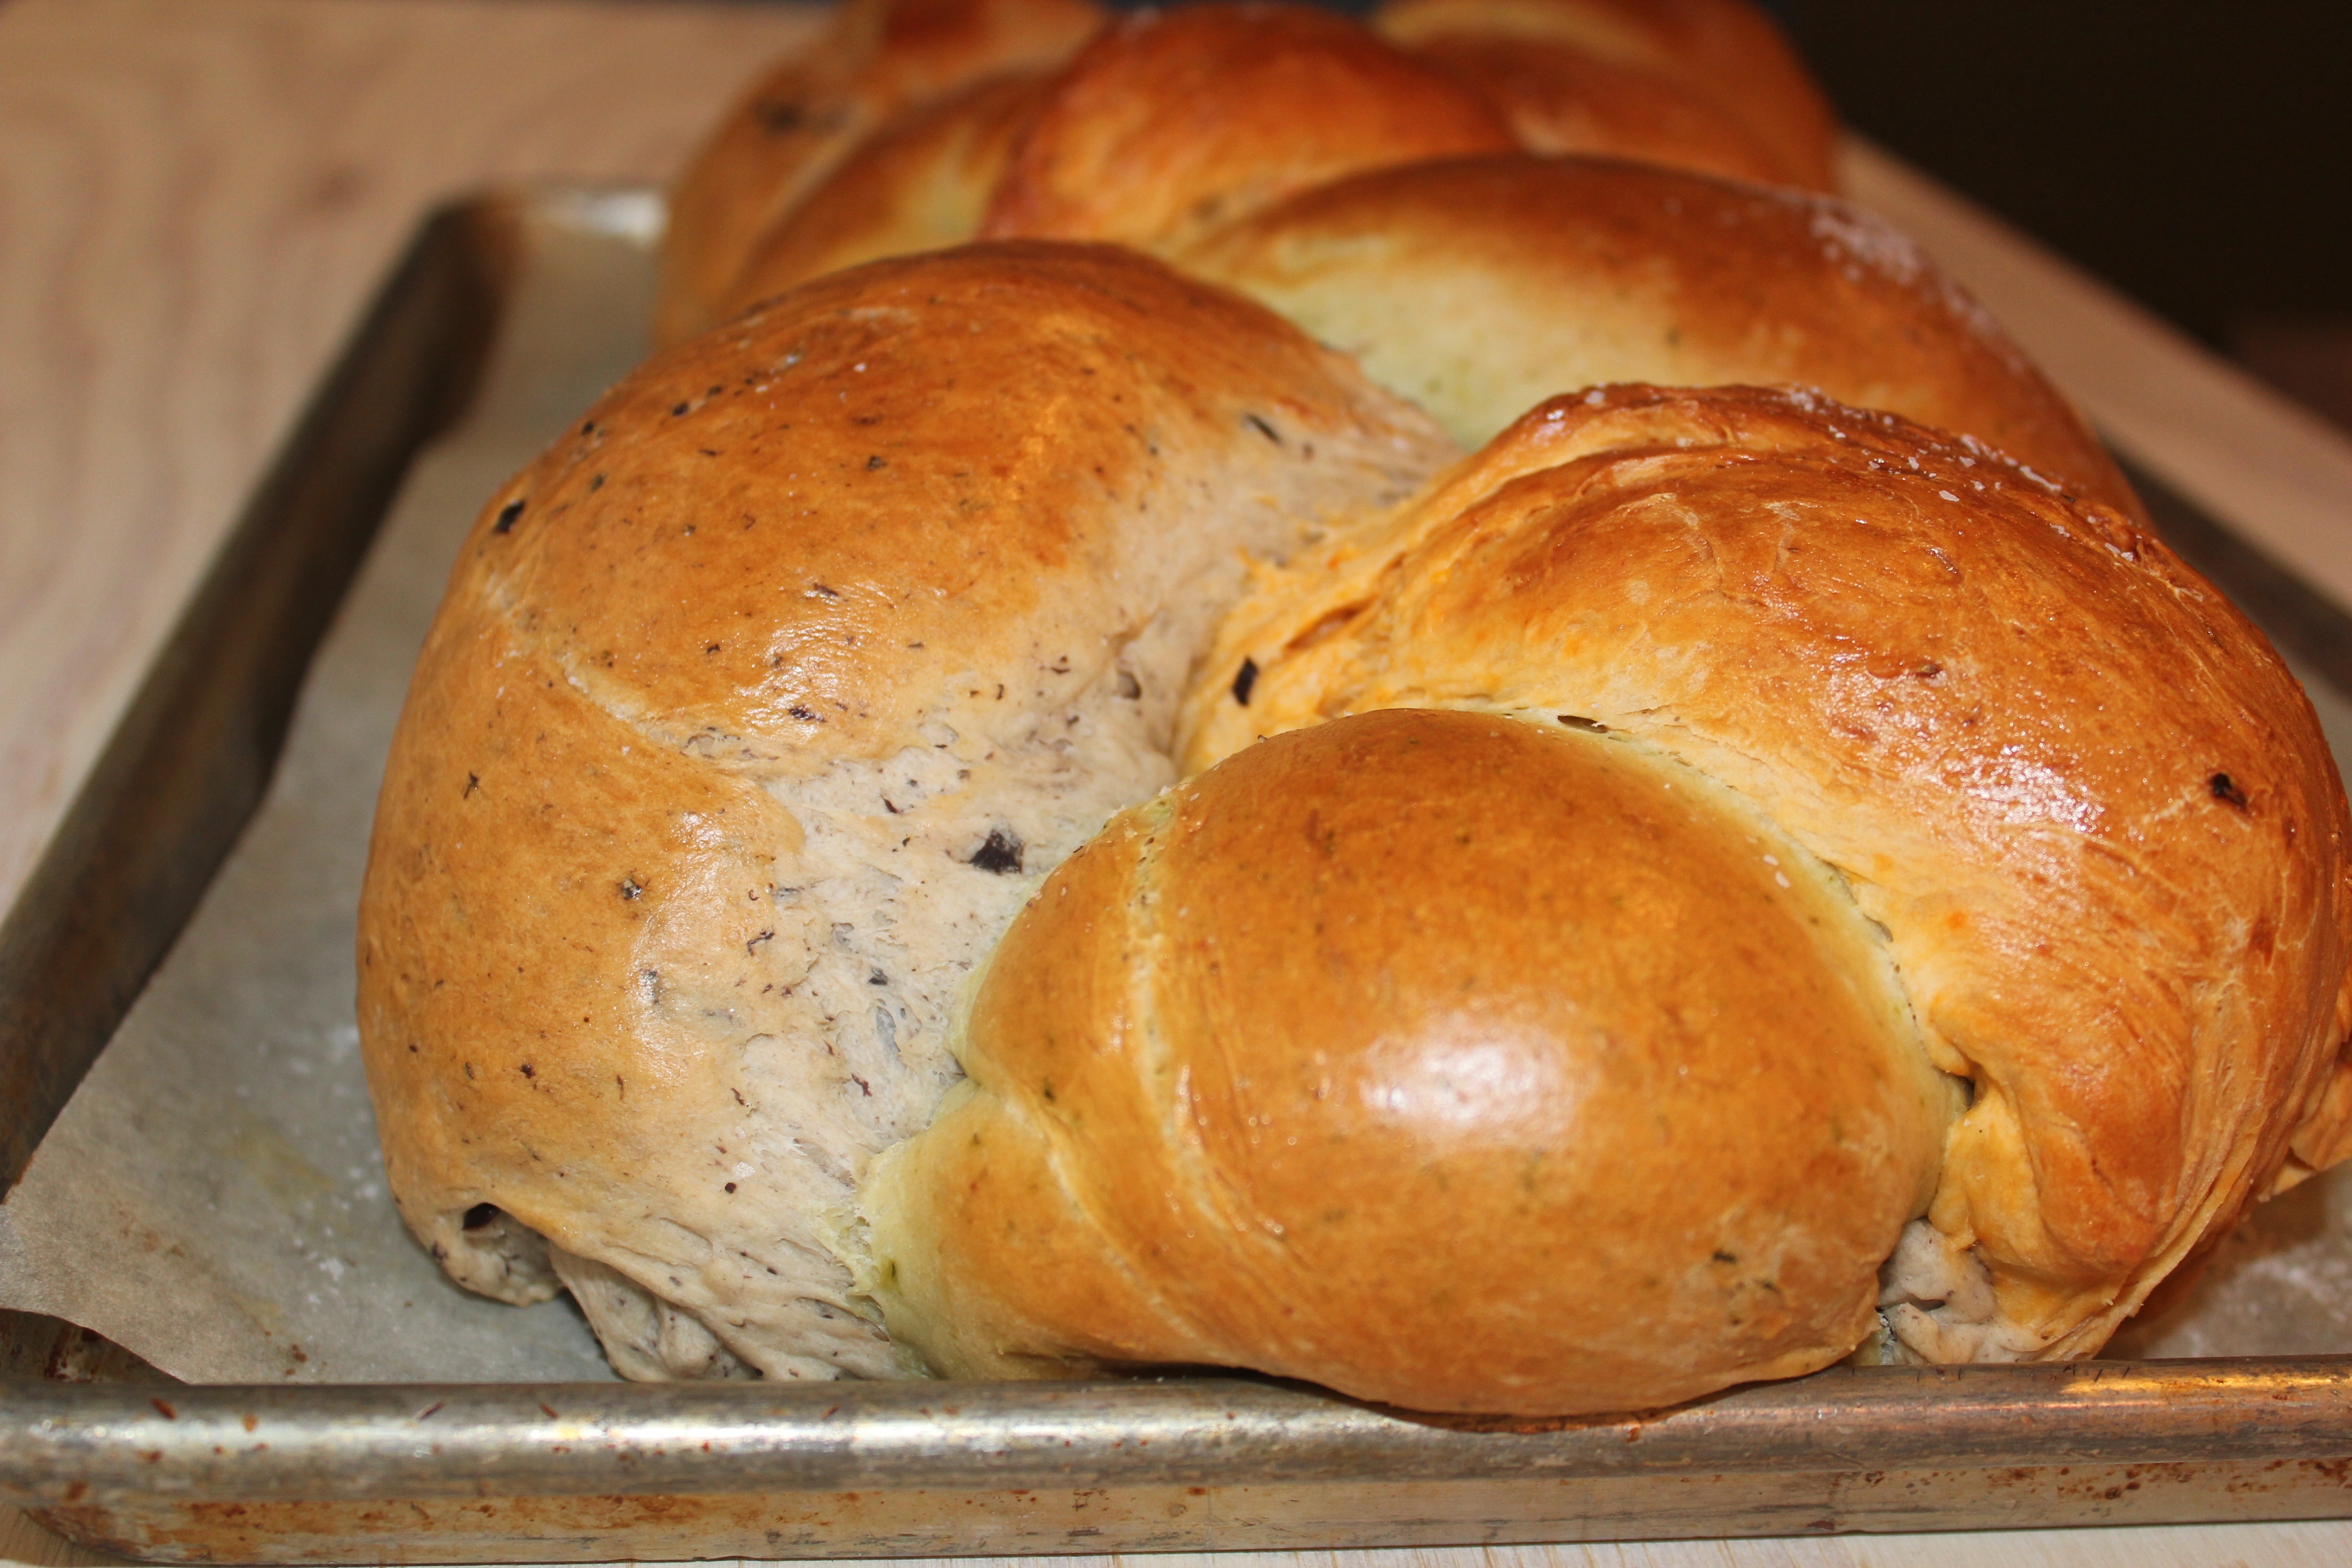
(1714, 879)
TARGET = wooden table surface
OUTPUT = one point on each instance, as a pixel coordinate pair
(197, 197)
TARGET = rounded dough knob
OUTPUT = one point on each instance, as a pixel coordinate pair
(1446, 1060)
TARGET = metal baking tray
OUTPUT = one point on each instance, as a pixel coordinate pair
(110, 1453)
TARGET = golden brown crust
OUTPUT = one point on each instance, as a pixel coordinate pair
(1170, 125)
(919, 184)
(1449, 1060)
(501, 917)
(1561, 99)
(1478, 287)
(790, 130)
(1174, 121)
(2090, 805)
(1725, 53)
(758, 705)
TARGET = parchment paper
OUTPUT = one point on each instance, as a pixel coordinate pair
(212, 1199)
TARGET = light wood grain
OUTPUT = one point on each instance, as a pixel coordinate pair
(197, 197)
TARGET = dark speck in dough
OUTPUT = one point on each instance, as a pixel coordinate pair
(1001, 854)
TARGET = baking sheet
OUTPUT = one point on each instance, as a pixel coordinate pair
(213, 1198)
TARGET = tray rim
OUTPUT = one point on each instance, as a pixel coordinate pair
(258, 1442)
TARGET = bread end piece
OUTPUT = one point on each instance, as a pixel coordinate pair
(1450, 1062)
